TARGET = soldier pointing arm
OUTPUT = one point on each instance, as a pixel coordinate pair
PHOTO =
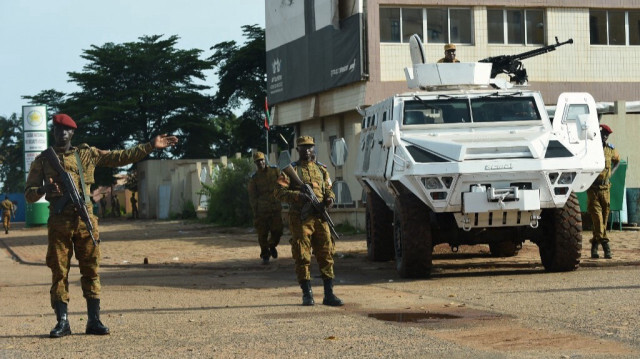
(67, 233)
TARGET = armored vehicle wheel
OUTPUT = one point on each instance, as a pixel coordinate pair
(412, 237)
(379, 223)
(503, 249)
(561, 240)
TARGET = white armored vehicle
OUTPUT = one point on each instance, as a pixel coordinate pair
(467, 160)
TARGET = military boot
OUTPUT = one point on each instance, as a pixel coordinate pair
(594, 250)
(62, 328)
(307, 293)
(94, 325)
(607, 250)
(330, 298)
(264, 254)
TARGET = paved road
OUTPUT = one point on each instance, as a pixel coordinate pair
(236, 308)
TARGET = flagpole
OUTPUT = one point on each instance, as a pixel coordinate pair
(267, 123)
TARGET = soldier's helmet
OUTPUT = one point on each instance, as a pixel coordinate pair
(257, 156)
(305, 140)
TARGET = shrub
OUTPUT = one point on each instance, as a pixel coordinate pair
(228, 196)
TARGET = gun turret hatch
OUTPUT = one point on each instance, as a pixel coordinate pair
(424, 75)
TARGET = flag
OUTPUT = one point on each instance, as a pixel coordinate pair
(267, 118)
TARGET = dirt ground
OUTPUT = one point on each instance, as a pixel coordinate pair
(180, 243)
(205, 293)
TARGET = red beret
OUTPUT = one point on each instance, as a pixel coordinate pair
(606, 129)
(64, 120)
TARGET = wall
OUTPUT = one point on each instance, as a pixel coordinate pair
(609, 73)
(626, 127)
(183, 178)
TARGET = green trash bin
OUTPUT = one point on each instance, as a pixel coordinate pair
(36, 214)
(617, 192)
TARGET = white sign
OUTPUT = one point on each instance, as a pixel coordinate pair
(28, 158)
(35, 141)
(35, 118)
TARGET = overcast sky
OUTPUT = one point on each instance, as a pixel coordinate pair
(42, 40)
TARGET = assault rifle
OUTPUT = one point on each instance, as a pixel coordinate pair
(511, 65)
(72, 194)
(314, 204)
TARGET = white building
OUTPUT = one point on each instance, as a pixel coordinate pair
(326, 57)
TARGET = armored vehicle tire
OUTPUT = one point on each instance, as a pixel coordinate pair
(503, 249)
(561, 240)
(412, 237)
(379, 223)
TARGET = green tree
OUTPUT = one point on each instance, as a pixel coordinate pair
(133, 91)
(51, 98)
(11, 154)
(242, 83)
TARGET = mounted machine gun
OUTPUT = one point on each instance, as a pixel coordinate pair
(511, 65)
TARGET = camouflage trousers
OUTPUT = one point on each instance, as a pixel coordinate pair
(311, 234)
(598, 207)
(6, 221)
(265, 224)
(67, 233)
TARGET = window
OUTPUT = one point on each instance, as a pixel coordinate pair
(411, 23)
(437, 28)
(389, 25)
(616, 28)
(634, 27)
(443, 25)
(515, 26)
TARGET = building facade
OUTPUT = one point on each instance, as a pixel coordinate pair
(604, 58)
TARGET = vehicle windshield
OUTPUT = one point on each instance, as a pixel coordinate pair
(483, 109)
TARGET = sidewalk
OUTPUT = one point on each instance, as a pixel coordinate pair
(127, 243)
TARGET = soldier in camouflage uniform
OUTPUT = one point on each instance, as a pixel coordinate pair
(267, 210)
(7, 211)
(598, 196)
(67, 232)
(310, 232)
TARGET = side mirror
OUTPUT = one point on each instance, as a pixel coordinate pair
(339, 152)
(586, 128)
(284, 160)
(390, 132)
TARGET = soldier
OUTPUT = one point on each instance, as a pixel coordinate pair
(598, 196)
(134, 206)
(267, 210)
(103, 206)
(311, 232)
(8, 210)
(449, 54)
(67, 232)
(115, 206)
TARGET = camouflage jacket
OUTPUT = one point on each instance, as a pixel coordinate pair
(611, 159)
(90, 157)
(313, 173)
(261, 187)
(6, 206)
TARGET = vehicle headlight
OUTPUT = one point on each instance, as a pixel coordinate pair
(567, 178)
(432, 183)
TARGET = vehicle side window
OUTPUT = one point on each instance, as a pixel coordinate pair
(575, 110)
